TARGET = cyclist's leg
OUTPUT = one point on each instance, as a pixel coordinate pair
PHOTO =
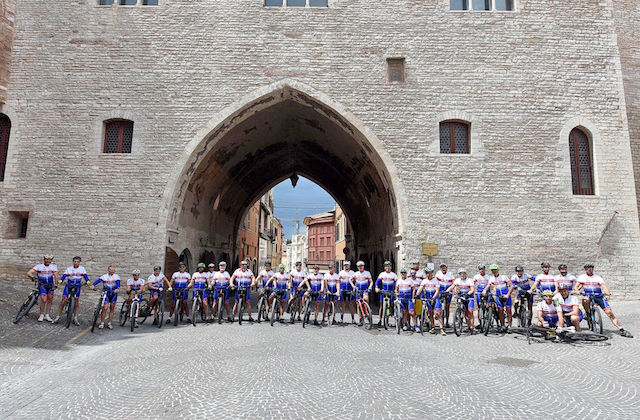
(43, 298)
(438, 311)
(112, 306)
(75, 310)
(49, 300)
(604, 304)
(317, 308)
(468, 313)
(105, 307)
(509, 313)
(248, 305)
(205, 303)
(63, 301)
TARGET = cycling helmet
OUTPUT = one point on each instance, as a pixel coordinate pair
(462, 270)
(182, 264)
(360, 264)
(494, 267)
(244, 262)
(222, 264)
(347, 263)
(267, 264)
(157, 267)
(298, 263)
(563, 286)
(413, 262)
(430, 268)
(545, 264)
(202, 265)
(519, 268)
(281, 266)
(387, 263)
(48, 256)
(547, 293)
(212, 265)
(481, 266)
(562, 267)
(403, 270)
(443, 265)
(316, 266)
(588, 265)
(76, 258)
(136, 272)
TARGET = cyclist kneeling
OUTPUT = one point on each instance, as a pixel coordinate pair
(547, 311)
(570, 307)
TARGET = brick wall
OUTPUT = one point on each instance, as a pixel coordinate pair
(523, 80)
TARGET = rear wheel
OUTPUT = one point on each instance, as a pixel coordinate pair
(96, 315)
(524, 314)
(71, 306)
(143, 311)
(487, 321)
(368, 316)
(331, 315)
(587, 336)
(458, 319)
(132, 317)
(596, 320)
(25, 307)
(124, 313)
(160, 313)
(220, 303)
(195, 308)
(240, 309)
(261, 309)
(397, 313)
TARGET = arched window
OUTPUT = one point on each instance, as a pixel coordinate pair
(5, 129)
(581, 162)
(454, 137)
(118, 136)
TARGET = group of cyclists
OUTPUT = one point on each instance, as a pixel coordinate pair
(559, 306)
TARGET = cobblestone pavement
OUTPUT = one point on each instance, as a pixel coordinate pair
(258, 371)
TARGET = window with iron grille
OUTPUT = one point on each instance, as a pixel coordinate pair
(395, 70)
(454, 137)
(5, 128)
(581, 163)
(118, 136)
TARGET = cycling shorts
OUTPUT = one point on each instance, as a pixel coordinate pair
(392, 297)
(111, 297)
(185, 295)
(448, 298)
(46, 288)
(346, 296)
(65, 292)
(205, 293)
(328, 296)
(470, 304)
(153, 292)
(238, 294)
(551, 320)
(507, 304)
(283, 293)
(600, 300)
(567, 319)
(217, 290)
(406, 304)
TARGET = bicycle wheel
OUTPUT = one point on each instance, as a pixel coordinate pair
(424, 319)
(124, 313)
(385, 317)
(274, 310)
(523, 315)
(596, 320)
(132, 316)
(240, 310)
(331, 316)
(397, 314)
(71, 306)
(160, 313)
(96, 315)
(175, 312)
(445, 312)
(261, 308)
(487, 321)
(22, 311)
(220, 303)
(305, 310)
(458, 318)
(368, 316)
(143, 311)
(195, 308)
(586, 336)
(32, 302)
(528, 333)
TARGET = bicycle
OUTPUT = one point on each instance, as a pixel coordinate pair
(97, 314)
(29, 302)
(524, 317)
(197, 308)
(491, 312)
(331, 311)
(242, 298)
(444, 297)
(262, 304)
(539, 334)
(222, 291)
(594, 320)
(139, 308)
(311, 299)
(425, 321)
(386, 307)
(178, 313)
(364, 310)
(462, 303)
(294, 304)
(160, 305)
(275, 306)
(70, 306)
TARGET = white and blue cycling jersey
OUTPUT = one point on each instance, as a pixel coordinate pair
(363, 280)
(332, 282)
(45, 273)
(315, 281)
(243, 278)
(521, 282)
(546, 282)
(265, 276)
(180, 280)
(345, 280)
(387, 281)
(75, 276)
(109, 282)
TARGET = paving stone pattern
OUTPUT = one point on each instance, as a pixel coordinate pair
(258, 371)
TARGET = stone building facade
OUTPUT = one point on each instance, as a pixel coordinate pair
(222, 100)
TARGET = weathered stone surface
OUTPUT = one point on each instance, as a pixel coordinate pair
(183, 70)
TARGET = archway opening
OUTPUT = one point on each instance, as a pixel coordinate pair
(283, 135)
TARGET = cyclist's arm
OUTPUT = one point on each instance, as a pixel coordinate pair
(232, 280)
(437, 293)
(55, 277)
(578, 286)
(338, 287)
(31, 272)
(605, 289)
(128, 288)
(191, 283)
(540, 318)
(511, 289)
(560, 317)
(117, 289)
(303, 283)
(452, 287)
(95, 283)
(64, 276)
(536, 283)
(418, 292)
(472, 291)
(575, 311)
(253, 281)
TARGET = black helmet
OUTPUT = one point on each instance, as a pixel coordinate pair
(562, 267)
(519, 268)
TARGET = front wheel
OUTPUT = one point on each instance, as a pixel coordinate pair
(240, 310)
(274, 310)
(487, 320)
(124, 313)
(132, 317)
(368, 316)
(305, 313)
(195, 308)
(175, 312)
(385, 316)
(261, 309)
(458, 319)
(596, 320)
(25, 307)
(331, 316)
(398, 316)
(160, 313)
(71, 306)
(96, 315)
(524, 315)
(220, 303)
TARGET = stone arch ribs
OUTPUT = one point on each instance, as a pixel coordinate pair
(262, 139)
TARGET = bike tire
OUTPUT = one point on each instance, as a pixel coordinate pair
(397, 313)
(528, 334)
(445, 312)
(385, 318)
(587, 336)
(71, 310)
(124, 313)
(22, 311)
(220, 303)
(175, 312)
(160, 313)
(368, 316)
(305, 309)
(261, 309)
(240, 310)
(274, 309)
(96, 314)
(194, 310)
(332, 314)
(597, 321)
(132, 317)
(424, 319)
(457, 321)
(34, 299)
(488, 320)
(523, 315)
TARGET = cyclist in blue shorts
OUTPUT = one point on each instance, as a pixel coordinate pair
(331, 286)
(180, 280)
(220, 281)
(155, 282)
(346, 290)
(47, 274)
(280, 282)
(502, 287)
(386, 282)
(522, 281)
(314, 284)
(245, 278)
(111, 284)
(404, 294)
(200, 281)
(464, 286)
(75, 275)
(547, 311)
(430, 288)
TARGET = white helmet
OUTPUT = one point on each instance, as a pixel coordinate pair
(360, 264)
(136, 272)
(430, 267)
(48, 256)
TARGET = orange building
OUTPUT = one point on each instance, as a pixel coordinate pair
(321, 239)
(248, 241)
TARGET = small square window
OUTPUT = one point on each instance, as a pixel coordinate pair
(128, 2)
(105, 2)
(395, 70)
(18, 225)
(459, 5)
(296, 3)
(149, 2)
